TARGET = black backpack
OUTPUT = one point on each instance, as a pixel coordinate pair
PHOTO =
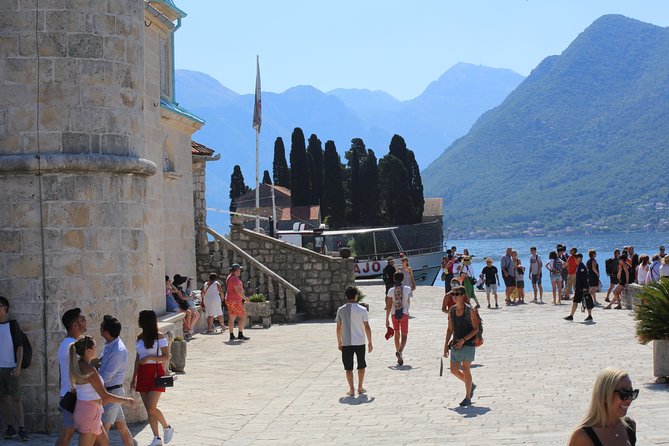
(608, 266)
(27, 348)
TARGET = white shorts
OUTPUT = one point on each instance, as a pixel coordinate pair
(213, 307)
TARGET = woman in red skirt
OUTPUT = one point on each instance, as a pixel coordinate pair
(152, 358)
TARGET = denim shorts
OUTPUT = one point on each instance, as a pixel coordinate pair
(465, 354)
(113, 411)
(556, 277)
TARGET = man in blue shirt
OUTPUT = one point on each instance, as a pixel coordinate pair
(113, 365)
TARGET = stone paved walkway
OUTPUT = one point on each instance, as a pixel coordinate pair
(286, 385)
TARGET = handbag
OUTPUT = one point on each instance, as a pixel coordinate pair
(165, 380)
(68, 401)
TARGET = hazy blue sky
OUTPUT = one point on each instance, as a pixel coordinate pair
(391, 45)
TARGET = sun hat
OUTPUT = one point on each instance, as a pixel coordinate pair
(389, 333)
(178, 279)
(235, 267)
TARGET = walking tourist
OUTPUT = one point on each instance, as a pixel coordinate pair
(11, 356)
(536, 266)
(212, 302)
(623, 280)
(460, 342)
(91, 393)
(389, 272)
(581, 286)
(234, 300)
(520, 279)
(447, 266)
(467, 278)
(562, 255)
(593, 274)
(113, 365)
(449, 300)
(153, 357)
(508, 274)
(352, 327)
(606, 421)
(554, 267)
(611, 267)
(75, 324)
(572, 265)
(664, 269)
(633, 262)
(408, 274)
(491, 280)
(397, 305)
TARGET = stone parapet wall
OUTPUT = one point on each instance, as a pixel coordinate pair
(321, 279)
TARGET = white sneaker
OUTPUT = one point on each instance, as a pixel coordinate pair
(168, 433)
(156, 442)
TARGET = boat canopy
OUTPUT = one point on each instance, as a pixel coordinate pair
(359, 231)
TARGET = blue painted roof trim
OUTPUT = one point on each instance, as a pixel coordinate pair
(180, 111)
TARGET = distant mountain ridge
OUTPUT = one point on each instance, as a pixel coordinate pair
(581, 143)
(428, 124)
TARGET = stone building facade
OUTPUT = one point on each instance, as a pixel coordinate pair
(95, 169)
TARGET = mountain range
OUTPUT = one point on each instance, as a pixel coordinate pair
(579, 145)
(429, 123)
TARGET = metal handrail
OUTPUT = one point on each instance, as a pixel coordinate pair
(253, 261)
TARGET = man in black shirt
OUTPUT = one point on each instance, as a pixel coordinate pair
(581, 287)
(388, 273)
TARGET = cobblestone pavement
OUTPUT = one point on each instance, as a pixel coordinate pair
(286, 385)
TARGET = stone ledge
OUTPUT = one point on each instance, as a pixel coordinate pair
(77, 163)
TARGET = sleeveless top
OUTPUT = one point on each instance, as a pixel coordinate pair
(463, 325)
(86, 392)
(631, 435)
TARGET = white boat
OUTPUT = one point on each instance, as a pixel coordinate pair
(425, 262)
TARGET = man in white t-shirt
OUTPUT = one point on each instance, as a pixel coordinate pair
(397, 304)
(75, 324)
(535, 273)
(352, 327)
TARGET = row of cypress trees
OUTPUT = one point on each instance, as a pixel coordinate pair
(362, 192)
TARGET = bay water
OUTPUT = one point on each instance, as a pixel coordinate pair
(604, 244)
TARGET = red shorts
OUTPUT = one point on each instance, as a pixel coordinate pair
(235, 308)
(401, 325)
(146, 377)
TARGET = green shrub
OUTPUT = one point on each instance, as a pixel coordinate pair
(258, 297)
(652, 314)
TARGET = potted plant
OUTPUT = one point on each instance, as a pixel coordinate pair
(652, 316)
(178, 352)
(259, 307)
(359, 299)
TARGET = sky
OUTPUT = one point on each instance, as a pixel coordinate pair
(390, 45)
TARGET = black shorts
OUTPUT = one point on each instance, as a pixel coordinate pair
(614, 280)
(509, 281)
(347, 352)
(536, 279)
(578, 296)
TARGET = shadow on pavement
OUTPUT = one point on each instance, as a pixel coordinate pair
(659, 387)
(470, 411)
(353, 401)
(401, 367)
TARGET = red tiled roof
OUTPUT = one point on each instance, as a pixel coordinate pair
(200, 149)
(301, 213)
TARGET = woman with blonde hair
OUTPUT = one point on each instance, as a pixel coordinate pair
(91, 393)
(606, 422)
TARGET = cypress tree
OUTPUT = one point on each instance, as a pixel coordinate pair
(395, 195)
(369, 184)
(280, 169)
(315, 151)
(398, 149)
(299, 169)
(265, 178)
(333, 205)
(355, 156)
(237, 187)
(415, 187)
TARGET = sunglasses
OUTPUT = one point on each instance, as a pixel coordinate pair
(627, 394)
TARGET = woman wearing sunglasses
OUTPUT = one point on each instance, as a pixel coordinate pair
(606, 422)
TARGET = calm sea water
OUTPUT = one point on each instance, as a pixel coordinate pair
(604, 244)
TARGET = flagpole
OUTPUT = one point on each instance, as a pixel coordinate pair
(257, 121)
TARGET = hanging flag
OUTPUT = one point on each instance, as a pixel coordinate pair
(257, 110)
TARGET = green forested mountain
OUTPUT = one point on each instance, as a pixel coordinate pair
(583, 142)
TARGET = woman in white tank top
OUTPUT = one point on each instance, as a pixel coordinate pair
(91, 393)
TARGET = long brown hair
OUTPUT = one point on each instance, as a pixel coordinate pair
(148, 322)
